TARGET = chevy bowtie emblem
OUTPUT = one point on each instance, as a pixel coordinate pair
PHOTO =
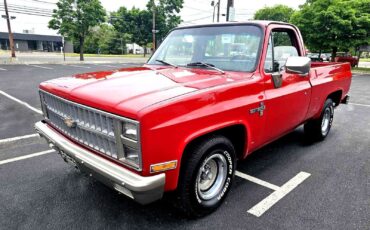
(70, 122)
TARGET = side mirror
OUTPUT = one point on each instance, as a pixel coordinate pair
(298, 65)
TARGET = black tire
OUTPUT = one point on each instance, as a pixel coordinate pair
(190, 197)
(318, 129)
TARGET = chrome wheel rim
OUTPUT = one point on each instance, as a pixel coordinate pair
(212, 176)
(325, 121)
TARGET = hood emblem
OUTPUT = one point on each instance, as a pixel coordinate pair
(70, 123)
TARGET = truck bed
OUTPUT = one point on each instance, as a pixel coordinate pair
(327, 77)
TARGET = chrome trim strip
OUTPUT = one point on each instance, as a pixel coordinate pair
(129, 142)
(43, 106)
(117, 133)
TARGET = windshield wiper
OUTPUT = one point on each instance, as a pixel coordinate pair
(206, 65)
(166, 63)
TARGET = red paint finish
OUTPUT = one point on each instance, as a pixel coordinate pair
(177, 105)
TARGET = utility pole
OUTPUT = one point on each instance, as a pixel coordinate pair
(218, 11)
(153, 29)
(230, 4)
(64, 48)
(121, 45)
(11, 38)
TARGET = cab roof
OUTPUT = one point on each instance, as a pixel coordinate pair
(261, 23)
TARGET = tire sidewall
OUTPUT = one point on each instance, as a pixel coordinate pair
(229, 155)
(328, 104)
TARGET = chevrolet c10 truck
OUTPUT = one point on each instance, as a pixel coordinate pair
(210, 95)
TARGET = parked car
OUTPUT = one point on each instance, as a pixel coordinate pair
(182, 121)
(326, 56)
(346, 57)
(315, 57)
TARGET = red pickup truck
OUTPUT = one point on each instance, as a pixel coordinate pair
(180, 122)
(346, 57)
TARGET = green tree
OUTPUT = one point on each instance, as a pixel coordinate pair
(334, 24)
(279, 12)
(104, 39)
(166, 15)
(362, 24)
(135, 22)
(139, 23)
(74, 19)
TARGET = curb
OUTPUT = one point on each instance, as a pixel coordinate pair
(359, 72)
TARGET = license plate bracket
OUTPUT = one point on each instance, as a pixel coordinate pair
(68, 159)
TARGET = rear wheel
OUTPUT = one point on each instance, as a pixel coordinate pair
(318, 129)
(206, 176)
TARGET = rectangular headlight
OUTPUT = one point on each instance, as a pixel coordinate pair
(132, 155)
(130, 130)
(130, 138)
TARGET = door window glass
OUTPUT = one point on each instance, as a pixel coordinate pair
(282, 44)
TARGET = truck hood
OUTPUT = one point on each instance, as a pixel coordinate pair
(127, 91)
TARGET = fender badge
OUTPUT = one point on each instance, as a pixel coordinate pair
(70, 123)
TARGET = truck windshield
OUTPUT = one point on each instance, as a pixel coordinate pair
(229, 48)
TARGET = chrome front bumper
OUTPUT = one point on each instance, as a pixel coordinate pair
(144, 190)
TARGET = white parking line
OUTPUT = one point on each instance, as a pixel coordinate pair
(274, 197)
(79, 66)
(42, 67)
(3, 69)
(26, 157)
(257, 181)
(21, 102)
(17, 138)
(359, 104)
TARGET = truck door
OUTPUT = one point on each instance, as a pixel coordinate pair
(287, 96)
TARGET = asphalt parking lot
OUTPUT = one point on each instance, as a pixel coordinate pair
(323, 185)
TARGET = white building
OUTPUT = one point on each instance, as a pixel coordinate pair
(136, 49)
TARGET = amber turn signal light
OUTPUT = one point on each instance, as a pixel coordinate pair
(163, 166)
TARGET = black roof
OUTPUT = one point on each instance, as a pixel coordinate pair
(32, 37)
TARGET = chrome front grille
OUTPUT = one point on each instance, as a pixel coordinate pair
(93, 128)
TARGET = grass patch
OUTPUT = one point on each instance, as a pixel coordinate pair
(365, 59)
(108, 55)
(360, 70)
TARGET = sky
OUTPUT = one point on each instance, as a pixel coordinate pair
(194, 11)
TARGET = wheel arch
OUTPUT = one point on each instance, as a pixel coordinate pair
(336, 96)
(187, 193)
(236, 133)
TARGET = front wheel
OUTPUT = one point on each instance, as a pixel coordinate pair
(206, 176)
(319, 129)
